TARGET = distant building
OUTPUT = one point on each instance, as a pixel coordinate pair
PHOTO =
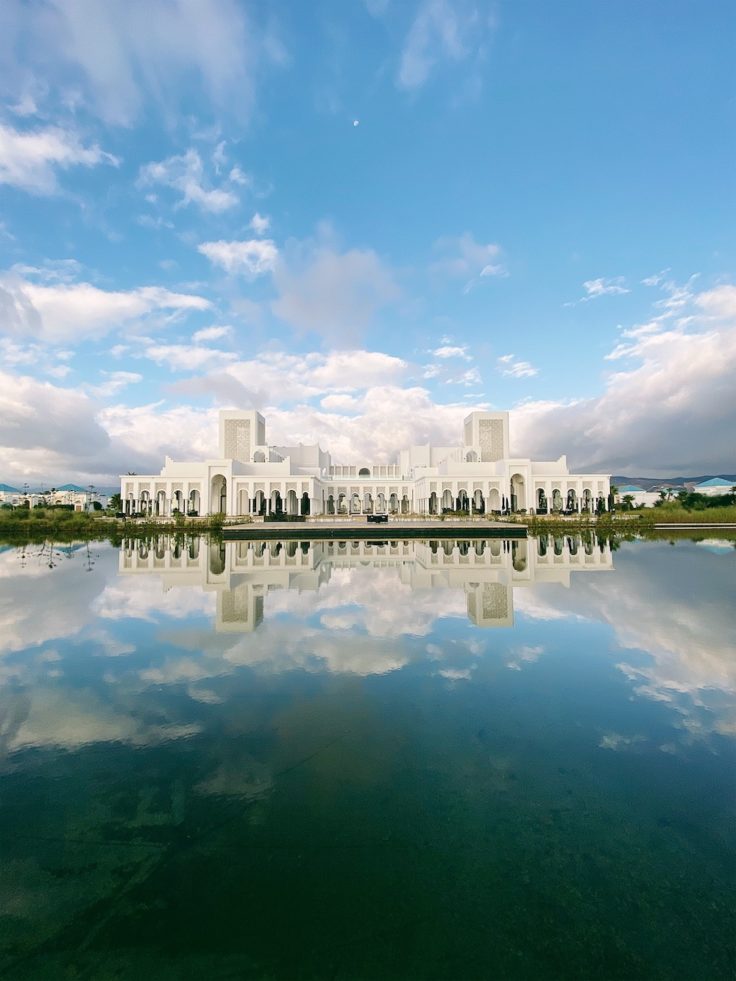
(251, 477)
(641, 497)
(714, 487)
(68, 494)
(10, 495)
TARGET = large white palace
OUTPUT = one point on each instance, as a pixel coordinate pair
(249, 477)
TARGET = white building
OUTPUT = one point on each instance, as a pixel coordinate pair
(250, 477)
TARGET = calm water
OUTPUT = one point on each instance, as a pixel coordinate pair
(350, 760)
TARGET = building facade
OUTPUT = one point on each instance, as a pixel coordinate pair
(250, 477)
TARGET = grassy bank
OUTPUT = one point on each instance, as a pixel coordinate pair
(676, 514)
(37, 524)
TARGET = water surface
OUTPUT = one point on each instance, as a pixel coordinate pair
(368, 760)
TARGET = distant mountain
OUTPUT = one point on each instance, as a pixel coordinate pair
(647, 482)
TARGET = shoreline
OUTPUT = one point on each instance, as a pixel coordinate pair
(521, 526)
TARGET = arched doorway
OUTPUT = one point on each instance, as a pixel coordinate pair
(541, 501)
(367, 503)
(355, 504)
(471, 457)
(447, 500)
(381, 503)
(393, 503)
(494, 499)
(479, 504)
(462, 503)
(572, 500)
(277, 505)
(259, 503)
(193, 507)
(218, 494)
(305, 504)
(292, 503)
(518, 493)
(161, 503)
(331, 504)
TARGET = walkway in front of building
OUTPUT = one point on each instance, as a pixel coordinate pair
(359, 527)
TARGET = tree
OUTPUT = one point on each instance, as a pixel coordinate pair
(116, 502)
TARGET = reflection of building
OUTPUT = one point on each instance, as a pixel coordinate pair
(250, 477)
(242, 573)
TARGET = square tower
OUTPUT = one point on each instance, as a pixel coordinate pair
(240, 433)
(488, 434)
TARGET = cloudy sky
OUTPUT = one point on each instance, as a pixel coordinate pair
(365, 219)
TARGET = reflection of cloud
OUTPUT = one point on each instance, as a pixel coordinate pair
(374, 600)
(524, 655)
(135, 598)
(457, 674)
(66, 593)
(244, 777)
(615, 740)
(677, 610)
(69, 718)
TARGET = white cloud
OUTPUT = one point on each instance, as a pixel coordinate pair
(211, 334)
(185, 174)
(719, 303)
(251, 258)
(114, 57)
(595, 288)
(672, 412)
(513, 368)
(74, 311)
(335, 294)
(238, 176)
(442, 31)
(469, 377)
(452, 351)
(30, 159)
(260, 224)
(276, 377)
(187, 357)
(42, 425)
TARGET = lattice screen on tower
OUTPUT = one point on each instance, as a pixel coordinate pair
(237, 439)
(490, 433)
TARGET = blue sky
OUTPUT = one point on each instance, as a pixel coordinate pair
(366, 219)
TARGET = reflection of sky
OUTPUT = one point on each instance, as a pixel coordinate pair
(88, 656)
(674, 604)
